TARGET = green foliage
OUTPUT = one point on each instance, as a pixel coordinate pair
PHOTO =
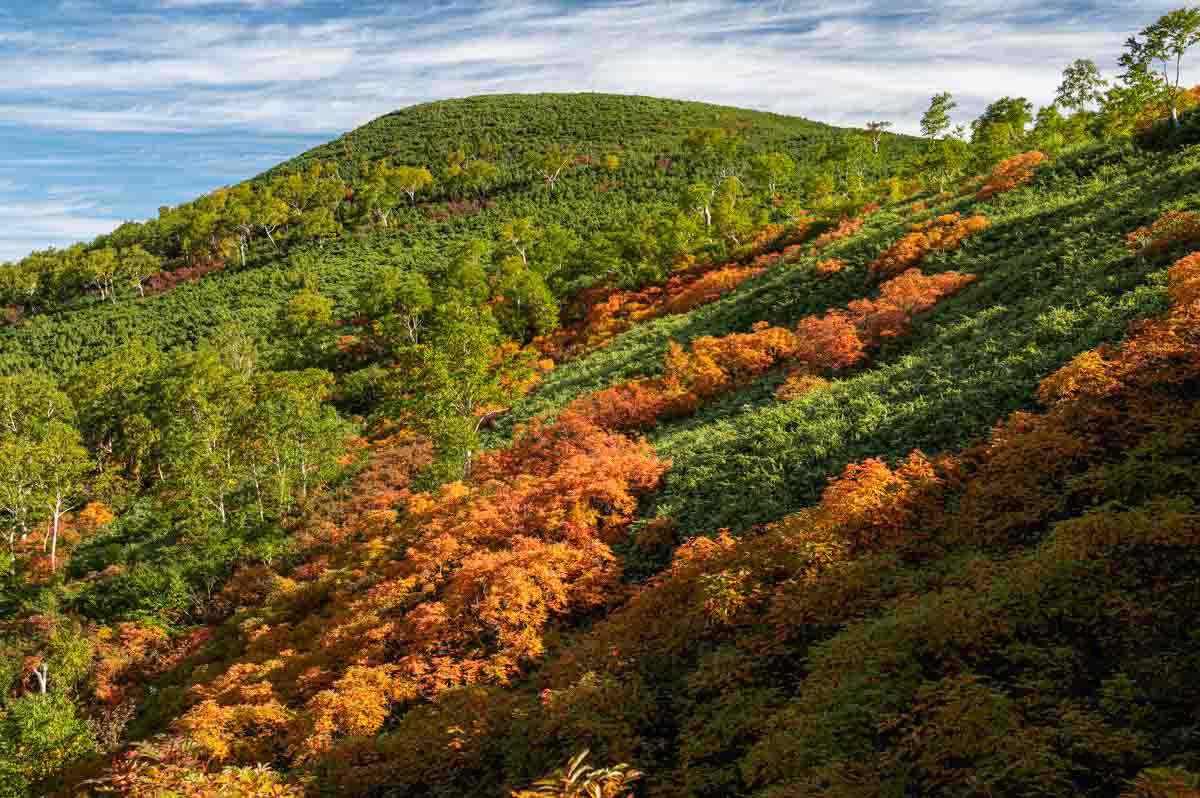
(39, 735)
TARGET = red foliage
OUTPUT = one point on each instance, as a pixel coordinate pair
(713, 366)
(166, 280)
(606, 313)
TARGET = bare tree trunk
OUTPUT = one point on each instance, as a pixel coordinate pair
(42, 672)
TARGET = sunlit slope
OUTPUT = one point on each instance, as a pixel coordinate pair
(1055, 279)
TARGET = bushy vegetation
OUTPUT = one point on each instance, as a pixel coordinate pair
(608, 446)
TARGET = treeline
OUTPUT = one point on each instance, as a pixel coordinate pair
(213, 434)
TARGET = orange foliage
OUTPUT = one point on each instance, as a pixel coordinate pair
(1184, 280)
(830, 266)
(844, 229)
(944, 233)
(608, 313)
(713, 366)
(1011, 173)
(153, 770)
(1171, 230)
(798, 385)
(486, 567)
(829, 342)
(902, 298)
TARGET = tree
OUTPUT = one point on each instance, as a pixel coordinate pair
(550, 163)
(876, 130)
(40, 735)
(769, 170)
(294, 437)
(730, 215)
(944, 161)
(59, 464)
(936, 120)
(999, 132)
(479, 176)
(1166, 42)
(399, 297)
(526, 308)
(1081, 86)
(465, 278)
(300, 326)
(715, 147)
(411, 180)
(138, 265)
(102, 268)
(519, 234)
(450, 381)
(611, 162)
(204, 402)
(42, 459)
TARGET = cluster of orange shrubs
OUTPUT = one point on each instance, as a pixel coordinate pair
(1011, 173)
(609, 312)
(945, 232)
(817, 345)
(1171, 230)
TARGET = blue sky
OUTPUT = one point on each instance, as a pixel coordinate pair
(109, 109)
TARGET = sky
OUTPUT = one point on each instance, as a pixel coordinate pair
(110, 109)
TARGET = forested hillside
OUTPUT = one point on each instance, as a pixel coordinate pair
(598, 445)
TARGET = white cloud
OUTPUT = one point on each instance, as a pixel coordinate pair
(843, 62)
(25, 226)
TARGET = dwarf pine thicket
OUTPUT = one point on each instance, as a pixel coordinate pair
(601, 445)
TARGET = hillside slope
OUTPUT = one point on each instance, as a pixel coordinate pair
(839, 478)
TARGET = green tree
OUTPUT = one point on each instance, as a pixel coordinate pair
(102, 267)
(550, 163)
(876, 130)
(770, 170)
(204, 403)
(1082, 86)
(527, 307)
(293, 438)
(60, 465)
(400, 299)
(301, 325)
(138, 265)
(936, 121)
(452, 380)
(40, 735)
(1164, 43)
(41, 456)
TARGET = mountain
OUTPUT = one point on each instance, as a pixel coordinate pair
(648, 447)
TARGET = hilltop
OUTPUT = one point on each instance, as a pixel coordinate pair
(652, 447)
